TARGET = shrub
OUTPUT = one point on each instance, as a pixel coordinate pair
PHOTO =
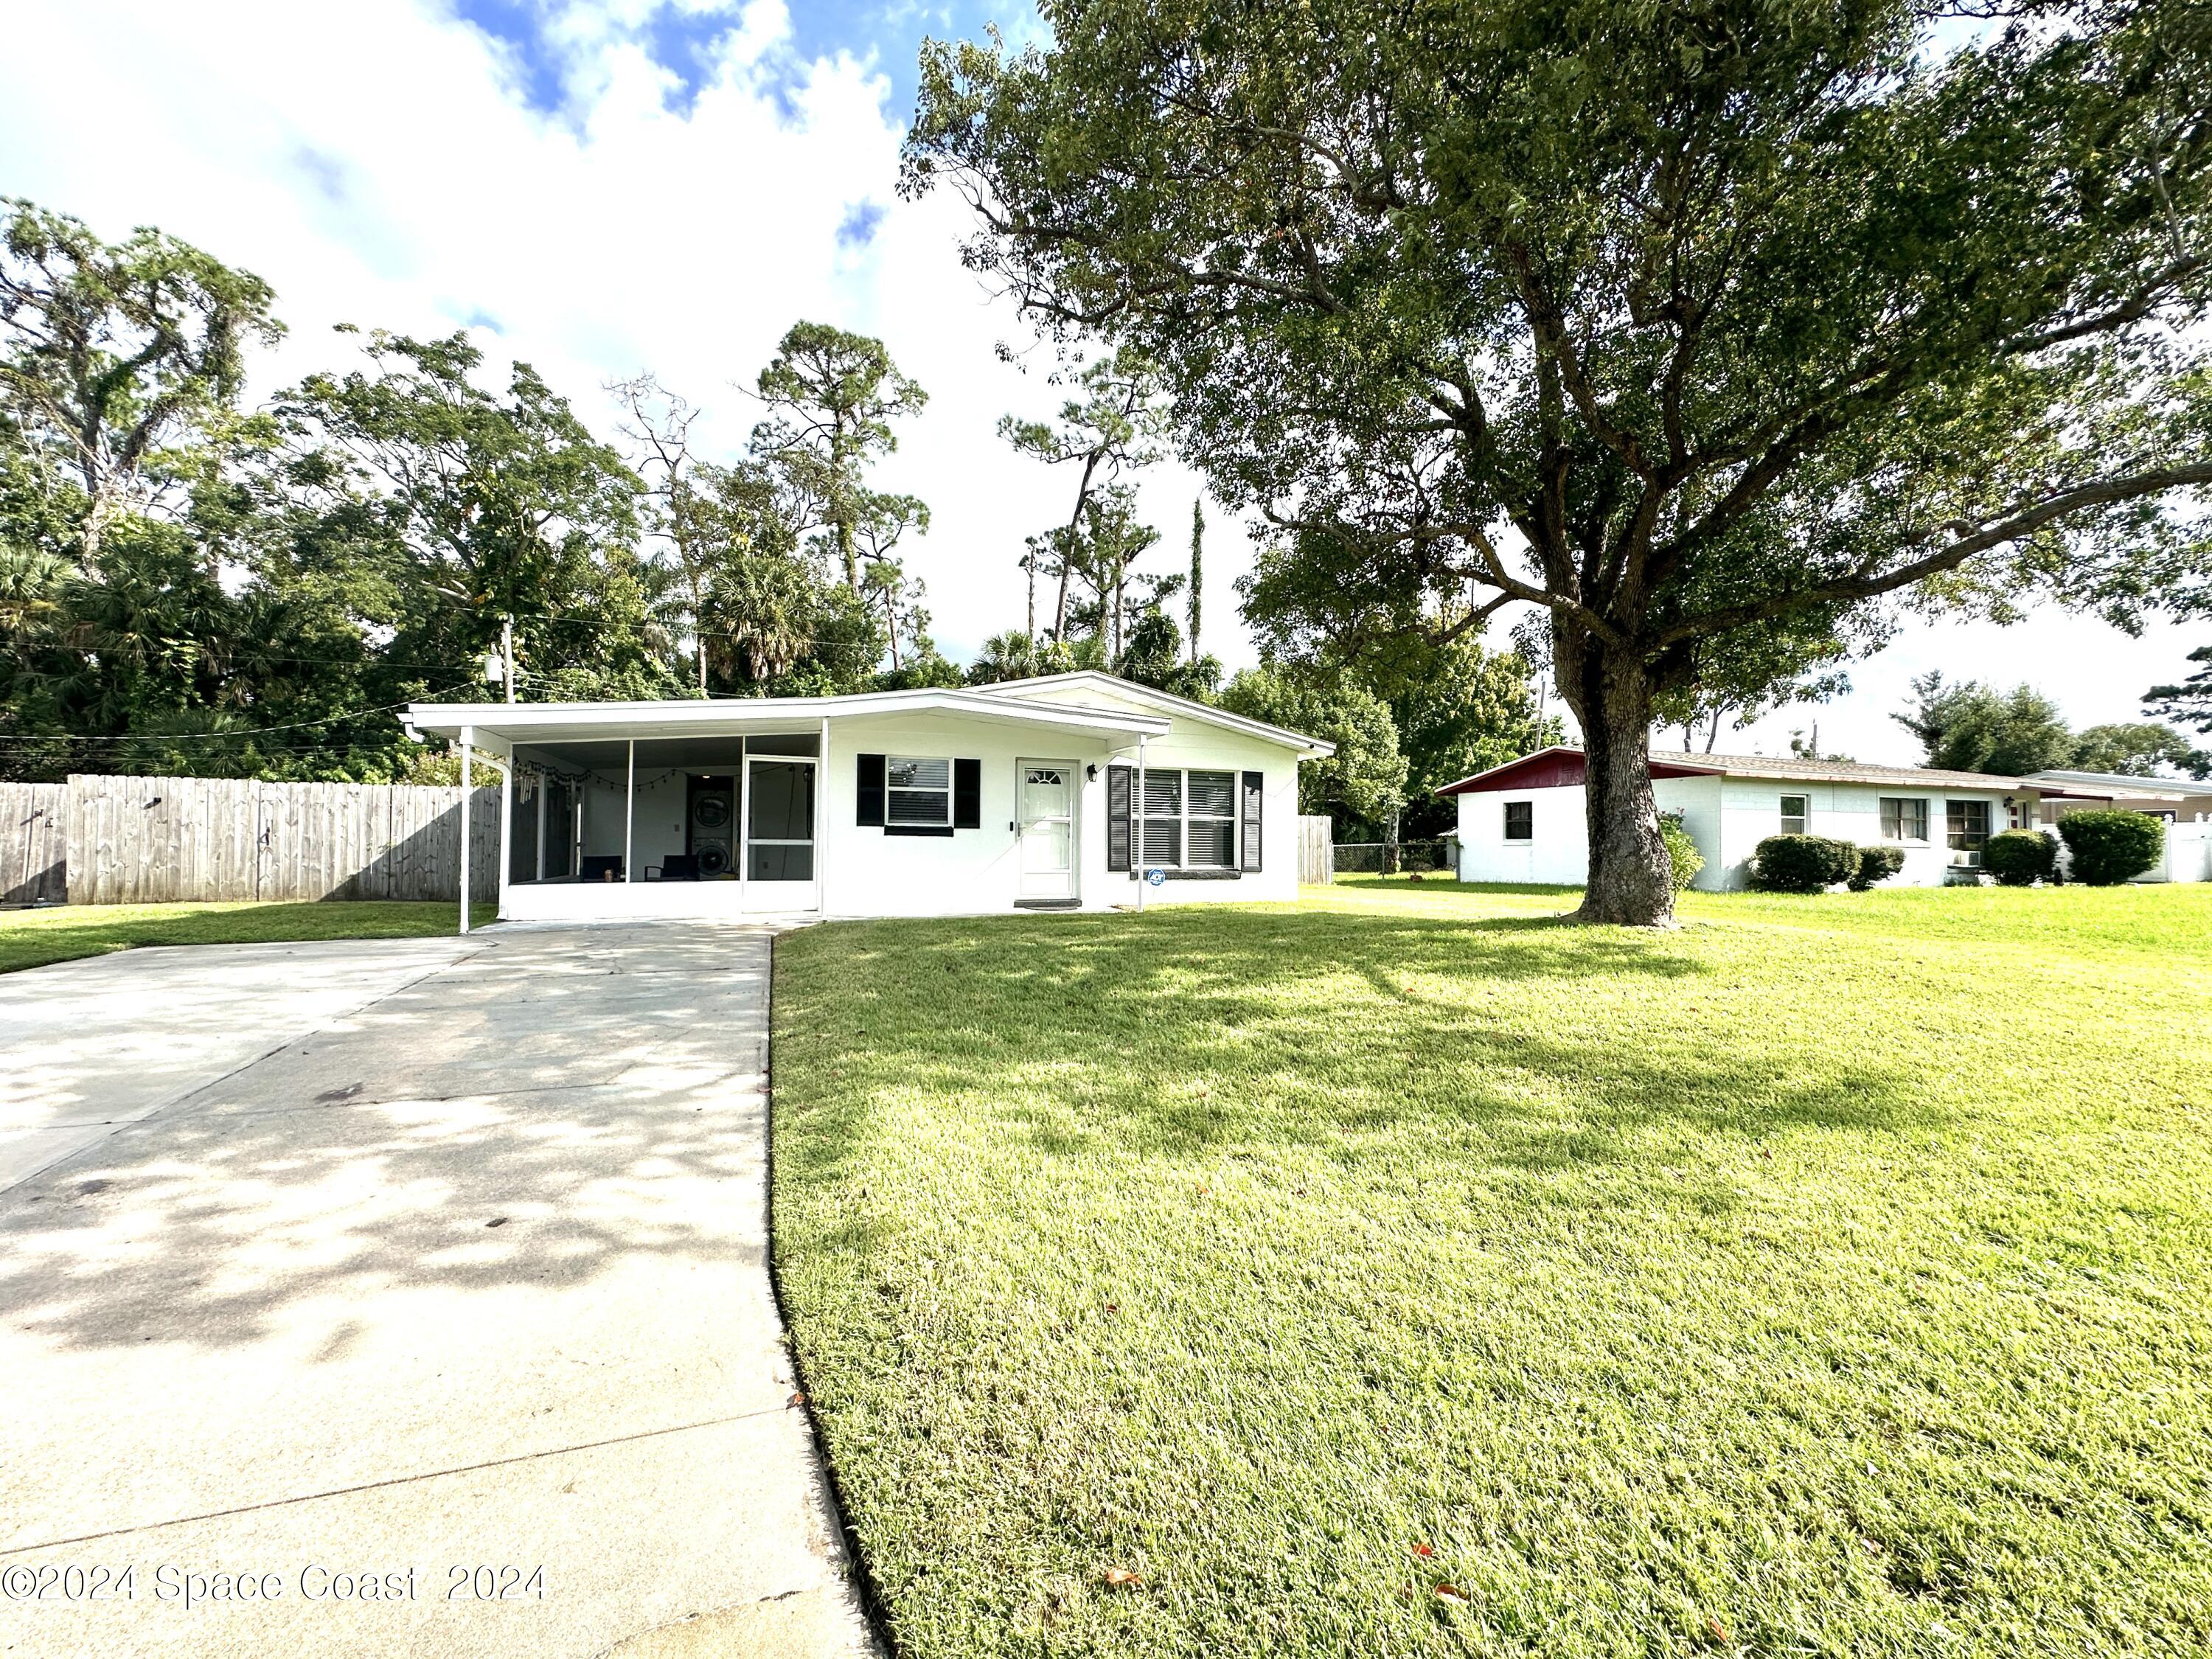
(1877, 864)
(2109, 846)
(1803, 864)
(1682, 853)
(2021, 857)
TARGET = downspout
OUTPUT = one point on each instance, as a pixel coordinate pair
(629, 818)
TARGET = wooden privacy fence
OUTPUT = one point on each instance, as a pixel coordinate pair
(1316, 858)
(33, 844)
(153, 841)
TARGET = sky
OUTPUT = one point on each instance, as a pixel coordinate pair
(604, 187)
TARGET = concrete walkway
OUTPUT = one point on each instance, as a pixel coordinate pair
(431, 1268)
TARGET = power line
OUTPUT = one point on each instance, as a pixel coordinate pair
(245, 735)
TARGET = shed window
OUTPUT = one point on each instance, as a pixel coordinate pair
(1904, 818)
(918, 792)
(1969, 827)
(1793, 815)
(1520, 820)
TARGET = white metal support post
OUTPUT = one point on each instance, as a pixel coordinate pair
(630, 817)
(506, 829)
(1137, 827)
(821, 808)
(468, 738)
(543, 797)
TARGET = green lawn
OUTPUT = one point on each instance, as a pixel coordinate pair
(1401, 1272)
(31, 939)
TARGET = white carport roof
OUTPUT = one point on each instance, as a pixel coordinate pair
(498, 726)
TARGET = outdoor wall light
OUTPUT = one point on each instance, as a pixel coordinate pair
(1090, 774)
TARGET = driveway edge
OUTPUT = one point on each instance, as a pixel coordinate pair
(859, 1571)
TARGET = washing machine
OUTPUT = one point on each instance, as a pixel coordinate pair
(714, 826)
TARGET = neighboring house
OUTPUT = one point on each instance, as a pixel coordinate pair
(1524, 820)
(2177, 800)
(1054, 792)
(2186, 806)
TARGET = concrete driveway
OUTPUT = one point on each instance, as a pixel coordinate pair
(401, 1296)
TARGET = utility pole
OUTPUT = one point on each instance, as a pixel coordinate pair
(506, 652)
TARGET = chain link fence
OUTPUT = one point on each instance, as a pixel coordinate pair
(1377, 857)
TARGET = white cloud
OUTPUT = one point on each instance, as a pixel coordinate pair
(379, 163)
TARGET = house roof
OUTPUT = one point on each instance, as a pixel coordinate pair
(1560, 760)
(500, 725)
(2104, 784)
(1178, 707)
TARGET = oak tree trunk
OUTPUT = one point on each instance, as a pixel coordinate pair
(1610, 692)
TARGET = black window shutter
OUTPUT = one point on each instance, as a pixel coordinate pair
(1117, 817)
(868, 795)
(1254, 787)
(967, 794)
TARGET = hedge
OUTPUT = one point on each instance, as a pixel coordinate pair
(2110, 846)
(2021, 857)
(1803, 864)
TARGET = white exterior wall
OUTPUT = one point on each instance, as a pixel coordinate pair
(1558, 853)
(1728, 817)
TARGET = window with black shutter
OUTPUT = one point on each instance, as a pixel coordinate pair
(967, 794)
(868, 793)
(1120, 791)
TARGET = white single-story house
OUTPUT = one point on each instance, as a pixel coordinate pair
(1066, 792)
(1524, 820)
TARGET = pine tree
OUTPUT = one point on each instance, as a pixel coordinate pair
(1197, 543)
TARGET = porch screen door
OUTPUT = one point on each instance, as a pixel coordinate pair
(779, 821)
(1048, 818)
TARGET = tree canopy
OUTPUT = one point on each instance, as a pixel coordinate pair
(1968, 727)
(1672, 321)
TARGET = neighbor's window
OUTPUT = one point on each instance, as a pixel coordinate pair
(1520, 820)
(1970, 829)
(1904, 818)
(1793, 815)
(919, 792)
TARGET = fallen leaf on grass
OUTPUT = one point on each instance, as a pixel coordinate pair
(1451, 1596)
(1717, 1630)
(1122, 1577)
(1424, 1551)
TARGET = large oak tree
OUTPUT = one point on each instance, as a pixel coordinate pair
(1675, 319)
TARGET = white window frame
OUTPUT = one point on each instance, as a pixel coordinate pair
(1803, 814)
(891, 762)
(1505, 823)
(1903, 819)
(1966, 857)
(1184, 817)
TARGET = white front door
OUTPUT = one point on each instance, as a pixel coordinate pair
(1048, 821)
